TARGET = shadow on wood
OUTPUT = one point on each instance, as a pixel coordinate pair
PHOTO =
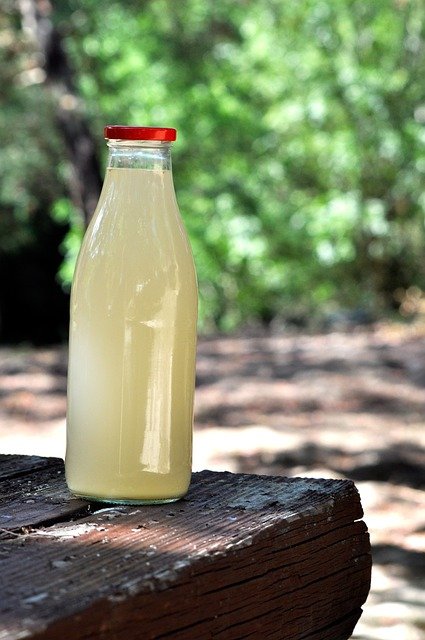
(241, 557)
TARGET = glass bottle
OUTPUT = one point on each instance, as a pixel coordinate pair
(132, 343)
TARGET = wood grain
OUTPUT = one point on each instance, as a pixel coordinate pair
(241, 557)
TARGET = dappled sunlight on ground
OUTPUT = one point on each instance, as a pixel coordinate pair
(42, 441)
(337, 405)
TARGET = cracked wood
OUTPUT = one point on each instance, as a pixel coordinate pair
(241, 557)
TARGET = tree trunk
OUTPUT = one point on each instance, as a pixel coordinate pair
(87, 177)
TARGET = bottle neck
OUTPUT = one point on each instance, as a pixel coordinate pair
(139, 154)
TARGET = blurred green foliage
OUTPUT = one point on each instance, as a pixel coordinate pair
(300, 159)
(31, 157)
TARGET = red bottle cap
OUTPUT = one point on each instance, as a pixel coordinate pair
(118, 132)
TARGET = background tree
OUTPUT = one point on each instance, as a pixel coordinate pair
(299, 164)
(33, 177)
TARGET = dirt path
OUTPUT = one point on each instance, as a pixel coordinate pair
(337, 405)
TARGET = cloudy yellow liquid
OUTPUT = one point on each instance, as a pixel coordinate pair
(132, 346)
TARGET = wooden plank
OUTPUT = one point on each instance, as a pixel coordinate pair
(14, 465)
(241, 557)
(33, 493)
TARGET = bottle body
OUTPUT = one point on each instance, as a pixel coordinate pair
(132, 345)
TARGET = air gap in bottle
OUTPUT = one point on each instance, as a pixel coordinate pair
(132, 340)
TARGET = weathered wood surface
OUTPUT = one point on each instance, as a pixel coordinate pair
(241, 557)
(32, 492)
